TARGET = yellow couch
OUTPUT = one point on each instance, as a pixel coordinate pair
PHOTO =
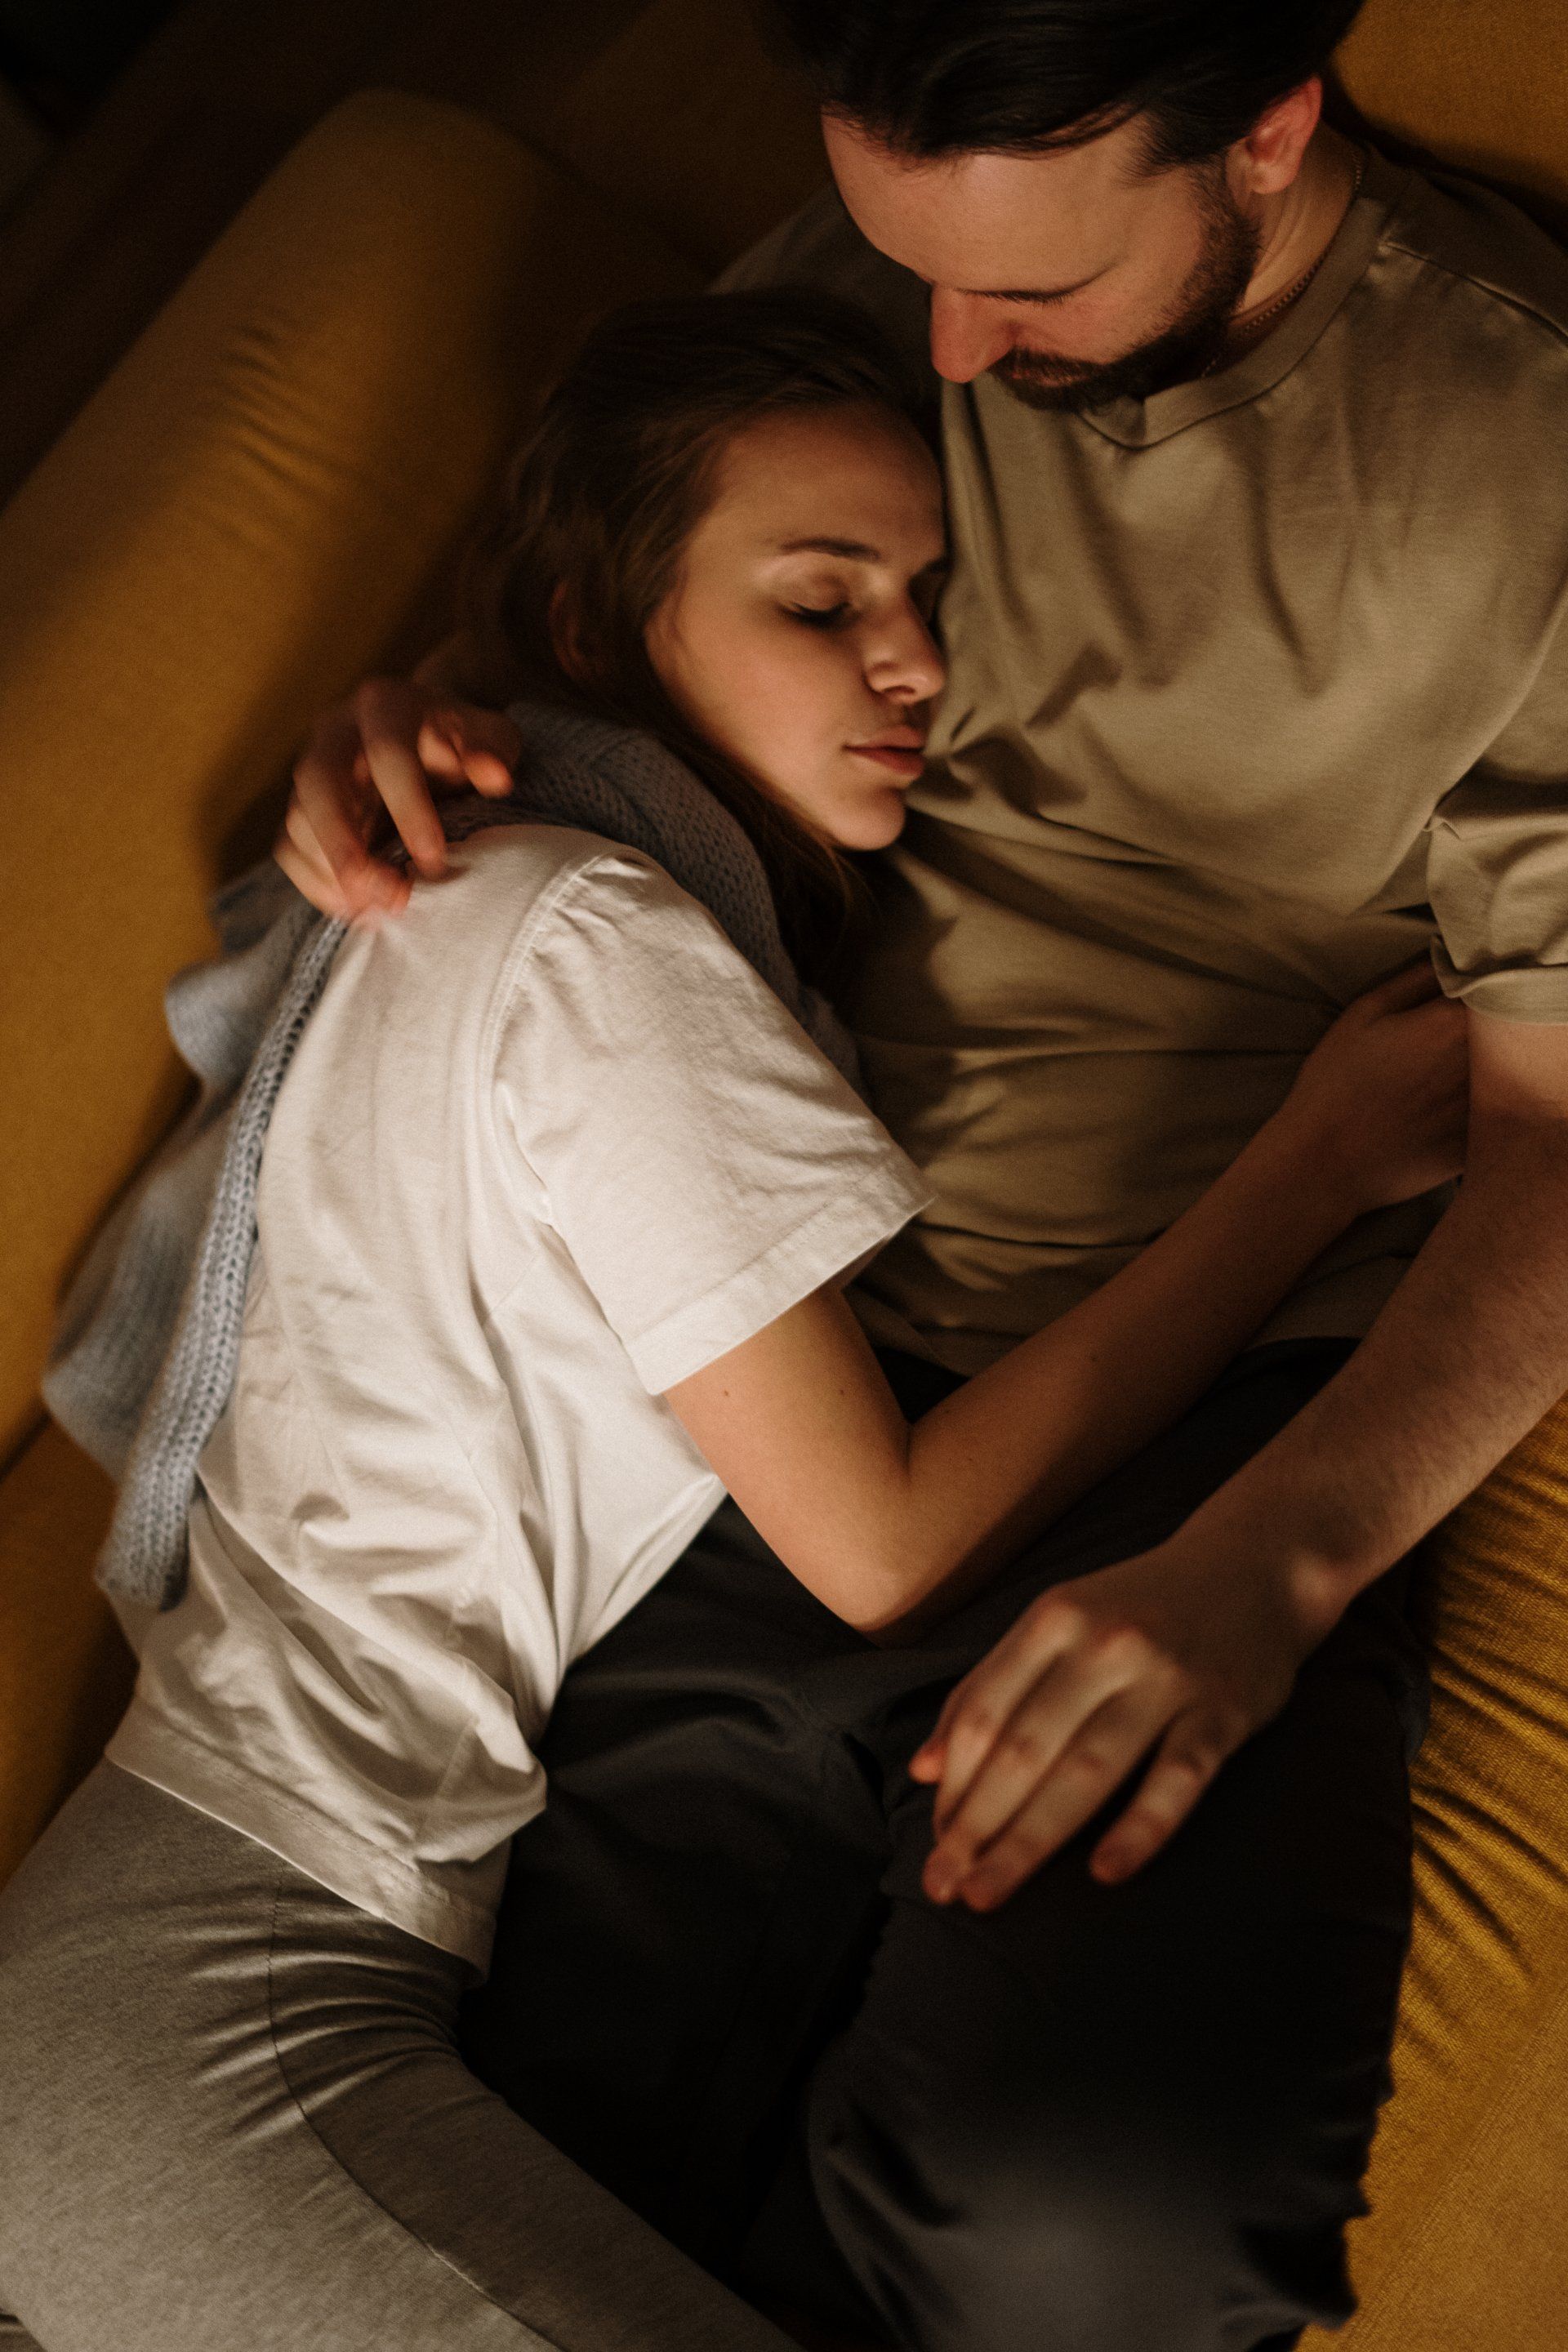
(261, 503)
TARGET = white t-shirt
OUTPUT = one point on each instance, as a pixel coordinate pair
(548, 1146)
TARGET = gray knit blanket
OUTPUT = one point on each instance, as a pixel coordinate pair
(148, 1338)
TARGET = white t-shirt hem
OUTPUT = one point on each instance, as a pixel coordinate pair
(385, 1886)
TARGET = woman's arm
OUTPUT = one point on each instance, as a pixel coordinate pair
(890, 1524)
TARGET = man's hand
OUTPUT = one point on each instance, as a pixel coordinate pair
(1189, 1649)
(389, 745)
(1182, 1652)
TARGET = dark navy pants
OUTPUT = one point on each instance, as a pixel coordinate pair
(1099, 2119)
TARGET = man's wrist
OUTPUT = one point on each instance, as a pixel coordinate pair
(1313, 1571)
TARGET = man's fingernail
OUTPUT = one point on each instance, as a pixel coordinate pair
(939, 1883)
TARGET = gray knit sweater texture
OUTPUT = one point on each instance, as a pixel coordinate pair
(148, 1339)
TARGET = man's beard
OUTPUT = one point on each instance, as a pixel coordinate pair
(1190, 341)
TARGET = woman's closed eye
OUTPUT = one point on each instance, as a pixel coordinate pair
(820, 616)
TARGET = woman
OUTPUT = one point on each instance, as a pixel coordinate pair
(556, 1212)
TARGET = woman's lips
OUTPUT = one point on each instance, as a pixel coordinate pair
(903, 761)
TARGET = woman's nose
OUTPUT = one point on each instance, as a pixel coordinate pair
(966, 336)
(906, 665)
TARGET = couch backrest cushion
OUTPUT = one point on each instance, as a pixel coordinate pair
(236, 527)
(1480, 84)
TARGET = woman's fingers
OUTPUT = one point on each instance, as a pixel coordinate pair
(1089, 1770)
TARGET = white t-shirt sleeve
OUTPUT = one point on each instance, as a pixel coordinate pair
(704, 1162)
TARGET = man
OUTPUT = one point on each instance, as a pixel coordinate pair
(1259, 687)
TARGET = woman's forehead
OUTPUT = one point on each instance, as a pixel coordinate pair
(856, 477)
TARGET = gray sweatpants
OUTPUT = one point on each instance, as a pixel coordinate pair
(232, 2115)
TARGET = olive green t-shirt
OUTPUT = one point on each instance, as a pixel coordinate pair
(1257, 689)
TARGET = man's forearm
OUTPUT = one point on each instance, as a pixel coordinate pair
(1464, 1360)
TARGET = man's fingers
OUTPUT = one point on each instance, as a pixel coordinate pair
(1188, 1759)
(327, 795)
(984, 1700)
(450, 748)
(927, 1762)
(1034, 1743)
(1091, 1766)
(389, 744)
(389, 716)
(298, 852)
(490, 745)
(311, 877)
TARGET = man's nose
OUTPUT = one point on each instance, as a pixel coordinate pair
(966, 335)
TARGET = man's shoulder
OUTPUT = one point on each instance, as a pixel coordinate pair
(1462, 235)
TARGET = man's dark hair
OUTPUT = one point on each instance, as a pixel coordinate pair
(933, 78)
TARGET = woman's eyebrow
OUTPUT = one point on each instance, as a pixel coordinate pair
(855, 550)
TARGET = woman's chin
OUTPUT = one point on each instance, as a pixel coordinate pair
(875, 825)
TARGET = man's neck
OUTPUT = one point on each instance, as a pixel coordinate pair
(1303, 224)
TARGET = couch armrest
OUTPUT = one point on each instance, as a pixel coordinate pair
(241, 521)
(1465, 2244)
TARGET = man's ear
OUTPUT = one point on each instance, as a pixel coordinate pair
(1269, 157)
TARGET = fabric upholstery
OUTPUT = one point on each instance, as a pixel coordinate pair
(236, 527)
(1466, 2245)
(694, 127)
(1480, 84)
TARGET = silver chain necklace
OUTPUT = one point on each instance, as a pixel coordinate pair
(1293, 293)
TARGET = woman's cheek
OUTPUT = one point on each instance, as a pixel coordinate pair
(784, 698)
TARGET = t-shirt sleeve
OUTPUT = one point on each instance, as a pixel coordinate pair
(1498, 861)
(704, 1164)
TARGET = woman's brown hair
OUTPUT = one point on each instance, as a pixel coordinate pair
(620, 467)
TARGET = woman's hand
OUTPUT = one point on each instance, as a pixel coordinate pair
(1384, 1096)
(1180, 1653)
(389, 745)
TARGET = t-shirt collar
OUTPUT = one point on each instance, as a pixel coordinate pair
(1139, 424)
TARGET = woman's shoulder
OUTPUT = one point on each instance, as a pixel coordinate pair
(557, 885)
